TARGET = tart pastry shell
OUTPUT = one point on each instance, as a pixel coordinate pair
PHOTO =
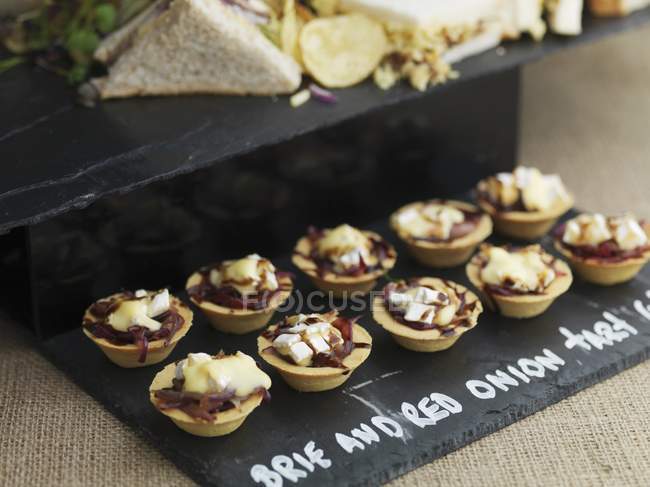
(240, 321)
(526, 225)
(127, 355)
(317, 379)
(524, 305)
(445, 254)
(424, 340)
(225, 422)
(605, 273)
(329, 282)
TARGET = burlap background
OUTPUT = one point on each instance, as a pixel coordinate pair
(586, 115)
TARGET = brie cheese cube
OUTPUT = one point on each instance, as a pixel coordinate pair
(318, 329)
(132, 313)
(299, 328)
(159, 304)
(215, 278)
(565, 16)
(318, 343)
(525, 270)
(140, 293)
(271, 281)
(445, 315)
(351, 259)
(587, 230)
(295, 319)
(429, 296)
(420, 312)
(197, 358)
(399, 300)
(535, 191)
(629, 234)
(283, 342)
(301, 353)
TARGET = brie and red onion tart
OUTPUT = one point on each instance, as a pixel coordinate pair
(343, 260)
(239, 296)
(140, 328)
(210, 395)
(604, 250)
(426, 314)
(315, 352)
(441, 233)
(524, 204)
(518, 282)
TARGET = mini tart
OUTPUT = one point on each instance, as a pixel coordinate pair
(605, 272)
(225, 422)
(158, 350)
(240, 321)
(340, 285)
(435, 339)
(448, 253)
(317, 379)
(516, 221)
(521, 305)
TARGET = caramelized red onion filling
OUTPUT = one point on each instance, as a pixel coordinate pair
(229, 297)
(198, 405)
(379, 248)
(463, 313)
(608, 251)
(458, 230)
(333, 358)
(171, 321)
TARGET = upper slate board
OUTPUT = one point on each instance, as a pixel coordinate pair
(415, 406)
(57, 156)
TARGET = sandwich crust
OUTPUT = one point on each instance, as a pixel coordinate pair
(222, 53)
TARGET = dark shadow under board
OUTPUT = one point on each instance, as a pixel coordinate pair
(415, 407)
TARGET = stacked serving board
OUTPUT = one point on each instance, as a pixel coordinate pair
(400, 409)
(61, 246)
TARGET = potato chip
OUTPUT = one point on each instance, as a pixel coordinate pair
(343, 50)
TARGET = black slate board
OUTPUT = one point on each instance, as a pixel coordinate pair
(390, 376)
(57, 156)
